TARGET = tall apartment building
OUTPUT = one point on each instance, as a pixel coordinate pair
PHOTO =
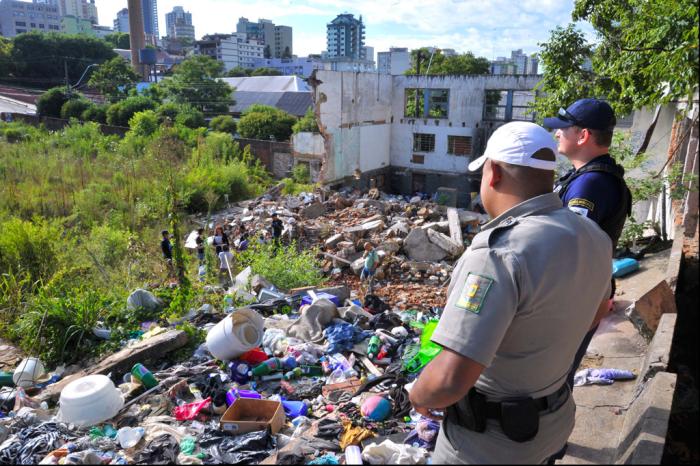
(121, 22)
(90, 11)
(266, 33)
(518, 63)
(345, 37)
(17, 17)
(178, 24)
(396, 61)
(150, 20)
(231, 49)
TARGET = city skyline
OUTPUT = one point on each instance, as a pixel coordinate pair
(463, 25)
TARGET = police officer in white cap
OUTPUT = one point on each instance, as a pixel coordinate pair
(519, 302)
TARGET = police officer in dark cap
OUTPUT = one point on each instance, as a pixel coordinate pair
(595, 186)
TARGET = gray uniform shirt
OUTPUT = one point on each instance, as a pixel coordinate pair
(519, 303)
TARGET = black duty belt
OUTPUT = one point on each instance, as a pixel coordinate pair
(547, 403)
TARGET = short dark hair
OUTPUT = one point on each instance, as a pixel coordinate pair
(602, 137)
(164, 232)
(274, 214)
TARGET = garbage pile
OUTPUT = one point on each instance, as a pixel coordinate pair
(325, 384)
(316, 375)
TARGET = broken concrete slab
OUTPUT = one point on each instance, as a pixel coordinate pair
(646, 312)
(258, 282)
(445, 242)
(334, 240)
(358, 265)
(389, 246)
(454, 225)
(361, 230)
(122, 361)
(658, 353)
(399, 229)
(419, 248)
(315, 210)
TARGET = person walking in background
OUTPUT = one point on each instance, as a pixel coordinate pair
(371, 259)
(220, 238)
(167, 248)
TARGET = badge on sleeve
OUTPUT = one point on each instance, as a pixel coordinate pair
(473, 293)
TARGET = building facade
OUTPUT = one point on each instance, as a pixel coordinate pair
(150, 20)
(233, 50)
(278, 39)
(101, 31)
(18, 17)
(178, 24)
(518, 63)
(76, 25)
(291, 66)
(396, 61)
(121, 22)
(345, 37)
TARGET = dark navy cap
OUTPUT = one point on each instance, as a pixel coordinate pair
(585, 113)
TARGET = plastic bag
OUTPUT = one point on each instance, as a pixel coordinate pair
(191, 410)
(252, 447)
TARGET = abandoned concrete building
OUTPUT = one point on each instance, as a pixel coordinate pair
(408, 134)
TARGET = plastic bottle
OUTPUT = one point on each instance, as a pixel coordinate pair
(293, 374)
(273, 365)
(373, 346)
(353, 455)
(143, 375)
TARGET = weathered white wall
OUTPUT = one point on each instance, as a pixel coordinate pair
(355, 114)
(308, 144)
(466, 106)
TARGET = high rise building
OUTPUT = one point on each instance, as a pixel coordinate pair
(121, 22)
(396, 61)
(17, 17)
(178, 24)
(150, 20)
(276, 39)
(232, 49)
(518, 63)
(90, 11)
(345, 37)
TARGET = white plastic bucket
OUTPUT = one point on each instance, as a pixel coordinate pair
(27, 373)
(237, 333)
(90, 400)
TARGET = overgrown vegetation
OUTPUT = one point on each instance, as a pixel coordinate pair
(285, 266)
(265, 122)
(80, 214)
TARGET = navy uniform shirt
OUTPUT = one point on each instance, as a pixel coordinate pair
(595, 195)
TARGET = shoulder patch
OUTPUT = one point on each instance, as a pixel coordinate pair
(580, 211)
(473, 293)
(580, 202)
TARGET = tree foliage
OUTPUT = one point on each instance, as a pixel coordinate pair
(194, 82)
(39, 57)
(265, 122)
(120, 113)
(307, 123)
(119, 40)
(6, 65)
(462, 64)
(223, 124)
(240, 72)
(647, 54)
(50, 102)
(114, 79)
(74, 108)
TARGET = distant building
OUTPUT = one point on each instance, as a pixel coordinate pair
(449, 52)
(150, 20)
(90, 11)
(265, 32)
(75, 25)
(345, 37)
(395, 61)
(288, 93)
(17, 17)
(232, 50)
(518, 63)
(291, 66)
(121, 22)
(178, 24)
(101, 31)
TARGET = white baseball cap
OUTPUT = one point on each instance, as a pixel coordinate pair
(515, 143)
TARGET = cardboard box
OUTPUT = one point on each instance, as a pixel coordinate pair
(250, 414)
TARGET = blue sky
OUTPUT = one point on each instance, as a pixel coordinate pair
(489, 28)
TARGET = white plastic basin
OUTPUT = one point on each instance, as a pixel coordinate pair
(90, 400)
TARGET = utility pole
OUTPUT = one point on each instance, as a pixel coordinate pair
(419, 58)
(65, 71)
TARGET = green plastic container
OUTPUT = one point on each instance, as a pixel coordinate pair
(417, 357)
(143, 375)
(6, 379)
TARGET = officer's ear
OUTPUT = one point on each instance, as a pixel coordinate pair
(496, 174)
(584, 135)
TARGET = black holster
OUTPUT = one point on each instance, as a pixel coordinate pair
(470, 411)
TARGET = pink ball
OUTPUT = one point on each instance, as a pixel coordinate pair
(376, 408)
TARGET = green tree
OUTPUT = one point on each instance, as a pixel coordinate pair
(190, 117)
(6, 65)
(223, 124)
(464, 64)
(647, 54)
(306, 124)
(238, 72)
(96, 113)
(120, 113)
(144, 123)
(75, 50)
(119, 40)
(265, 72)
(194, 82)
(50, 102)
(265, 122)
(114, 79)
(75, 107)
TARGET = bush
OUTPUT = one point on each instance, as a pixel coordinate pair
(223, 124)
(29, 247)
(230, 179)
(169, 111)
(285, 266)
(120, 113)
(190, 117)
(74, 108)
(300, 173)
(144, 123)
(17, 132)
(306, 124)
(50, 102)
(96, 113)
(263, 122)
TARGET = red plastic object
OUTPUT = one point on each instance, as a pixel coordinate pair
(254, 356)
(191, 410)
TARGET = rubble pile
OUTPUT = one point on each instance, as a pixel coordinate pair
(315, 375)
